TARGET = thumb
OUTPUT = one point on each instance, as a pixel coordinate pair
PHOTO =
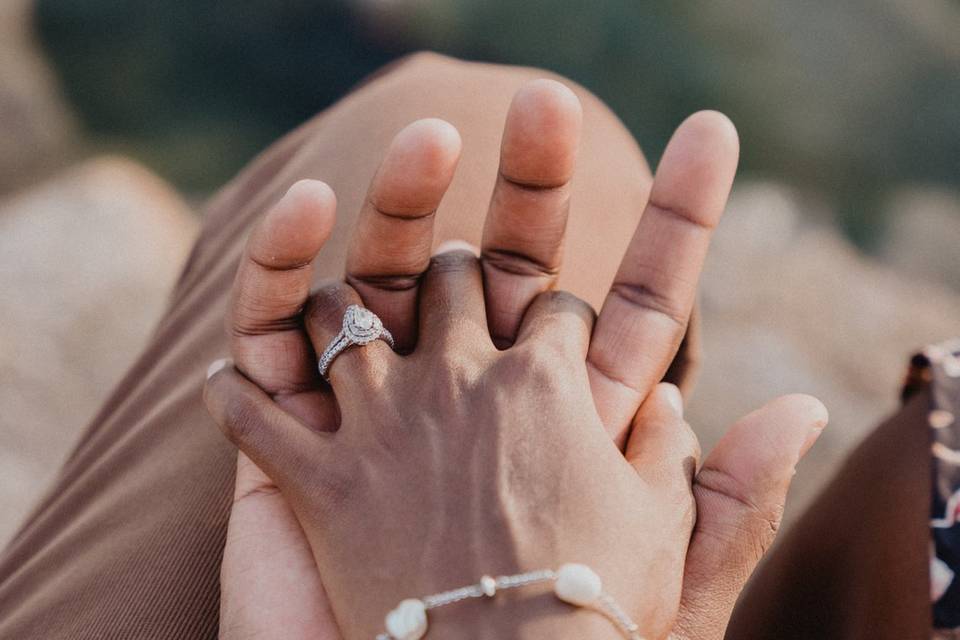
(270, 586)
(740, 494)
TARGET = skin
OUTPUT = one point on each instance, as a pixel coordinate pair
(499, 463)
(271, 587)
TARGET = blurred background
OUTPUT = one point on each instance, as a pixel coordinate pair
(839, 256)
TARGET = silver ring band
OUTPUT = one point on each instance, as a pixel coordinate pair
(360, 327)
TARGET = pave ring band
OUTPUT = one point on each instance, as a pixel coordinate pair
(360, 326)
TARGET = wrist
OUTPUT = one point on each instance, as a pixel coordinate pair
(520, 616)
(573, 605)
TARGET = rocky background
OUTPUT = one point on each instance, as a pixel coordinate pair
(837, 259)
(90, 245)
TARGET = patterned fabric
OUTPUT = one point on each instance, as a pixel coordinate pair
(939, 367)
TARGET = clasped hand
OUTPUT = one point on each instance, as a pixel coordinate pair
(486, 447)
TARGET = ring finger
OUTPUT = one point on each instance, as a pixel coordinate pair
(355, 363)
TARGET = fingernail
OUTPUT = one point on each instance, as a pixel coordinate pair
(455, 245)
(674, 397)
(216, 366)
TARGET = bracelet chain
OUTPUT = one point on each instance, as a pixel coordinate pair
(606, 603)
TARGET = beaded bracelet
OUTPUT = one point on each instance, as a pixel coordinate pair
(576, 584)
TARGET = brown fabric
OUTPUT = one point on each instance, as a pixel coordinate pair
(127, 544)
(856, 565)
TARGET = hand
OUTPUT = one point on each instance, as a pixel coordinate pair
(275, 277)
(460, 460)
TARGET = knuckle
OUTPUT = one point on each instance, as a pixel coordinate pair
(456, 370)
(326, 305)
(564, 302)
(417, 60)
(517, 263)
(542, 365)
(453, 261)
(562, 299)
(548, 354)
(385, 282)
(649, 299)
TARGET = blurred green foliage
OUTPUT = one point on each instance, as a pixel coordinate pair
(196, 88)
(843, 99)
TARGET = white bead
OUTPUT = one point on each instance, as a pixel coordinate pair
(489, 586)
(408, 621)
(577, 584)
(940, 418)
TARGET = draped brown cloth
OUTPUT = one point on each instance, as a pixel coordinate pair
(128, 541)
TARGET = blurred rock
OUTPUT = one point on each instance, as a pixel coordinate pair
(36, 128)
(86, 263)
(806, 312)
(923, 236)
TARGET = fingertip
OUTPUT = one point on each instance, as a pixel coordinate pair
(550, 98)
(417, 169)
(217, 366)
(295, 229)
(705, 140)
(433, 144)
(438, 135)
(308, 207)
(542, 134)
(713, 127)
(672, 396)
(805, 407)
(311, 194)
(661, 443)
(213, 386)
(779, 433)
(665, 397)
(810, 410)
(698, 167)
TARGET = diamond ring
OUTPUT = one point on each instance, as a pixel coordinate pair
(360, 326)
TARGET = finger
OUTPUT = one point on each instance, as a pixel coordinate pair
(740, 494)
(644, 316)
(561, 320)
(276, 441)
(356, 363)
(272, 285)
(662, 447)
(451, 303)
(269, 579)
(390, 248)
(523, 234)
